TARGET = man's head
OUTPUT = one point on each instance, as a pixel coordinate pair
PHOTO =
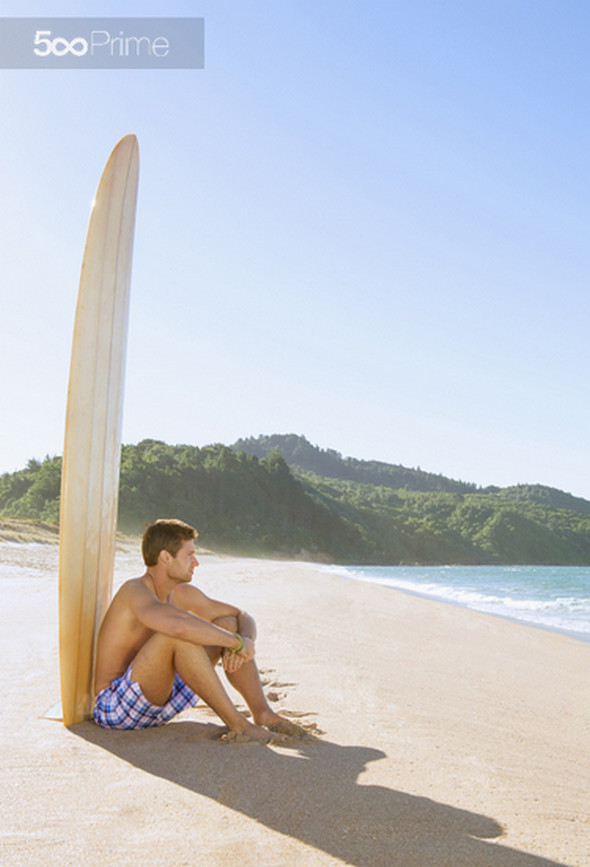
(165, 535)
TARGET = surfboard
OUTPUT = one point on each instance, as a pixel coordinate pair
(92, 446)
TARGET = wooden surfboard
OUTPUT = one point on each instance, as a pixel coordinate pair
(90, 473)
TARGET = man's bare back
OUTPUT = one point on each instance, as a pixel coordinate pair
(161, 635)
(121, 635)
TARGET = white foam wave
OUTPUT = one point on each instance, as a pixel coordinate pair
(527, 595)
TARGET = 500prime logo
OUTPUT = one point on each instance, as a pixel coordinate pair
(100, 43)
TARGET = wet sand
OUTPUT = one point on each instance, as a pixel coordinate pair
(448, 737)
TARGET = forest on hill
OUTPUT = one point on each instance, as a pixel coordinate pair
(300, 454)
(282, 496)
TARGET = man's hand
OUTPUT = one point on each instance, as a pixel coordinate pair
(232, 662)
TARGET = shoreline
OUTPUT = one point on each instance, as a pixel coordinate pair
(349, 575)
(568, 633)
(23, 531)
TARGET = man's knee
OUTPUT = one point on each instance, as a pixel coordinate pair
(228, 622)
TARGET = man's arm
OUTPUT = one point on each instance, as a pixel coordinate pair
(192, 599)
(232, 661)
(181, 624)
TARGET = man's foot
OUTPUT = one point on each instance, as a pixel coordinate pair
(291, 729)
(251, 733)
(281, 726)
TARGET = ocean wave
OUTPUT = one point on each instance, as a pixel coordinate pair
(556, 598)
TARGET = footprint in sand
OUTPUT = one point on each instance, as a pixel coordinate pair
(242, 738)
(276, 690)
(306, 731)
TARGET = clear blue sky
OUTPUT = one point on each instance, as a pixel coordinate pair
(364, 222)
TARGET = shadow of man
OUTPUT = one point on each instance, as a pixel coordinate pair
(311, 792)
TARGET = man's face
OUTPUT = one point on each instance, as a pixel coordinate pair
(184, 564)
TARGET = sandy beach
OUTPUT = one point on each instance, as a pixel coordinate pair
(448, 737)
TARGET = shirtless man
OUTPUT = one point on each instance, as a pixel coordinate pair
(161, 638)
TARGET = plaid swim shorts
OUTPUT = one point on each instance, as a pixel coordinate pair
(122, 705)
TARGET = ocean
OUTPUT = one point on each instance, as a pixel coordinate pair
(551, 597)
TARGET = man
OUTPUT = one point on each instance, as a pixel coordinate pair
(161, 638)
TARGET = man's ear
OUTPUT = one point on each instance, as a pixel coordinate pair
(164, 557)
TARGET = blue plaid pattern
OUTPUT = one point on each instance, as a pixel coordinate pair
(122, 705)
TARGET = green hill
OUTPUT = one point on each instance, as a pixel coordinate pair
(300, 454)
(281, 496)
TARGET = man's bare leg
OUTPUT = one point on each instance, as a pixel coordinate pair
(161, 657)
(246, 680)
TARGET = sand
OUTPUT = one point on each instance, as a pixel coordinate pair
(449, 737)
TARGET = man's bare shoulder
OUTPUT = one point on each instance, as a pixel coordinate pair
(185, 594)
(131, 593)
(134, 583)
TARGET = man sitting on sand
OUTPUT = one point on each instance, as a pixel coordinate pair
(161, 638)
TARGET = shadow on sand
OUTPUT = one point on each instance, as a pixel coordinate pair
(310, 792)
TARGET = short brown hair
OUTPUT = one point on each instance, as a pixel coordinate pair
(165, 534)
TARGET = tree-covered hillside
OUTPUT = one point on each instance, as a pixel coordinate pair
(238, 503)
(300, 454)
(475, 528)
(243, 503)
